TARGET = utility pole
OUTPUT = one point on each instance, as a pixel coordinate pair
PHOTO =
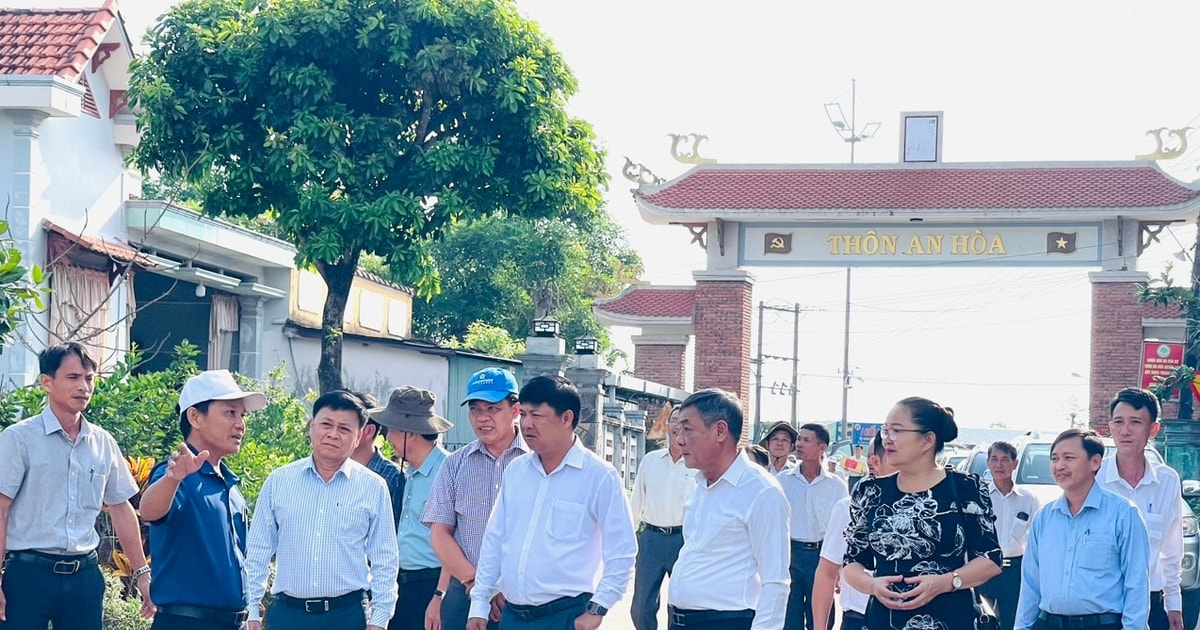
(853, 135)
(792, 389)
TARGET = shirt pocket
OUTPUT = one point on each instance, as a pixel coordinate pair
(1098, 551)
(566, 521)
(1155, 525)
(91, 490)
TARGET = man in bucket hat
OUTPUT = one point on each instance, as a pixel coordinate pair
(413, 429)
(780, 442)
(465, 489)
(196, 512)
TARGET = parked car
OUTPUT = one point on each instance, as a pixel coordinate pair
(1033, 473)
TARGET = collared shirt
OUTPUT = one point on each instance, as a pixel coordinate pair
(833, 549)
(200, 540)
(811, 501)
(57, 486)
(1093, 562)
(1159, 498)
(416, 548)
(321, 534)
(788, 464)
(394, 478)
(735, 535)
(1014, 512)
(661, 488)
(465, 489)
(552, 535)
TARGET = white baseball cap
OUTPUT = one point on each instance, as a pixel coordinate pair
(217, 385)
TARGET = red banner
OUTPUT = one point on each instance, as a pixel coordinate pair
(1159, 359)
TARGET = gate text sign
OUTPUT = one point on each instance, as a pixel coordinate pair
(967, 244)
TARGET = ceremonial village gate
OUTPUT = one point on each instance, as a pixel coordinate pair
(1098, 215)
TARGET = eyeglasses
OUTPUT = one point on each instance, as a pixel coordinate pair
(895, 432)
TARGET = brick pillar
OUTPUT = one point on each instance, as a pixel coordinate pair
(723, 315)
(1117, 333)
(660, 359)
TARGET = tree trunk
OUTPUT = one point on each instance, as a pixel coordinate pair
(1191, 357)
(338, 278)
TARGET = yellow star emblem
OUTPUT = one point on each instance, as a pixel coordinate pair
(1061, 242)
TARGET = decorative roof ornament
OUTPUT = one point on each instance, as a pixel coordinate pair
(688, 157)
(1162, 152)
(639, 174)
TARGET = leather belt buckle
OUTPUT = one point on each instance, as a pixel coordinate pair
(1005, 563)
(66, 567)
(321, 606)
(678, 619)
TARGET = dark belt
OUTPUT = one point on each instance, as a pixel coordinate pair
(530, 613)
(805, 545)
(322, 605)
(418, 575)
(1078, 622)
(664, 530)
(680, 617)
(60, 565)
(1010, 561)
(223, 617)
(853, 614)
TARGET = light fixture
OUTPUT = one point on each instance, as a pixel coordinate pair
(201, 291)
(545, 327)
(587, 344)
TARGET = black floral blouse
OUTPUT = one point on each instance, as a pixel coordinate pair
(921, 533)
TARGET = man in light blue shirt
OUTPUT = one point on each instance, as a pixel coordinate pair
(413, 430)
(1087, 559)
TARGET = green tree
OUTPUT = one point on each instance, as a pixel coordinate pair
(506, 272)
(488, 339)
(1163, 291)
(364, 126)
(20, 287)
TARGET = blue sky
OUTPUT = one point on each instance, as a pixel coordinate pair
(1020, 81)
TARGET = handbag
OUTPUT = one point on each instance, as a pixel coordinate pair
(985, 617)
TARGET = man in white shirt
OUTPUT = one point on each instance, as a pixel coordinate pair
(560, 543)
(833, 553)
(811, 492)
(1155, 489)
(732, 573)
(780, 442)
(663, 484)
(1014, 508)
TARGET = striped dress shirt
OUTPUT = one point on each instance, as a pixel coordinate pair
(321, 535)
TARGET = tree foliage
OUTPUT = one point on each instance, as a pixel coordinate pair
(364, 126)
(506, 272)
(20, 287)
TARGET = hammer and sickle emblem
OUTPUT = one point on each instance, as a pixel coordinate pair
(777, 242)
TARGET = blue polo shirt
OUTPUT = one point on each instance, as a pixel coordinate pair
(198, 549)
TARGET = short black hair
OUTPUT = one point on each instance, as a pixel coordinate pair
(341, 400)
(50, 359)
(371, 402)
(714, 404)
(556, 391)
(185, 427)
(1137, 398)
(1004, 447)
(1092, 444)
(758, 455)
(819, 429)
(877, 445)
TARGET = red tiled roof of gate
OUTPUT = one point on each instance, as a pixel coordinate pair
(650, 301)
(52, 41)
(906, 186)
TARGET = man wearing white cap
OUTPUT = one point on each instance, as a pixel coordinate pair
(196, 512)
(412, 430)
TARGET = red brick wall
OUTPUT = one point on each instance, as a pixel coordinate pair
(722, 319)
(1117, 344)
(660, 363)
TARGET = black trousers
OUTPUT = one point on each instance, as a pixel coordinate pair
(803, 569)
(36, 596)
(283, 617)
(1042, 625)
(164, 621)
(1002, 591)
(411, 604)
(1158, 612)
(728, 624)
(456, 606)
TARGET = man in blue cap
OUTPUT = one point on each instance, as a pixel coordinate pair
(466, 487)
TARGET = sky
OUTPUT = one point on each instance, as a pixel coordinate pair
(1025, 80)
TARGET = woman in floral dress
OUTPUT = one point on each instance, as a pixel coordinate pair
(907, 531)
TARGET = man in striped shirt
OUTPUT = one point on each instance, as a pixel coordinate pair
(466, 487)
(321, 518)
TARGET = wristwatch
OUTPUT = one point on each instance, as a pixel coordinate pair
(956, 582)
(437, 592)
(596, 609)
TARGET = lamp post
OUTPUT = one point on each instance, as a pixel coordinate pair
(545, 327)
